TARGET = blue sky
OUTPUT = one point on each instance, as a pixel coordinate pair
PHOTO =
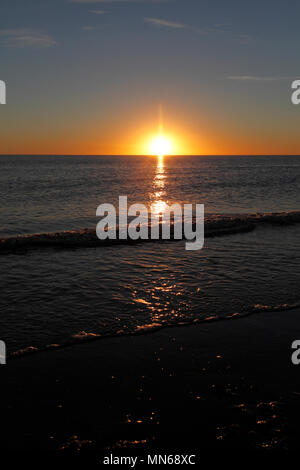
(84, 74)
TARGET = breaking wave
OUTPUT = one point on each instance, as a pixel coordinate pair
(214, 226)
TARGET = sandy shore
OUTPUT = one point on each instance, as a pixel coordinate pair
(223, 385)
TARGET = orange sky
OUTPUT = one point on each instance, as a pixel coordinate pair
(216, 74)
(131, 134)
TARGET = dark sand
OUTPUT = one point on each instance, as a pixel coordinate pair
(222, 385)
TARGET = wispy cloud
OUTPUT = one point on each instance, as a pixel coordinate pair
(88, 28)
(255, 78)
(25, 37)
(159, 22)
(165, 23)
(97, 12)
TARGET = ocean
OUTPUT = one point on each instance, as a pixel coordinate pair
(52, 297)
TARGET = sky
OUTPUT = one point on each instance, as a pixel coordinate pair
(100, 76)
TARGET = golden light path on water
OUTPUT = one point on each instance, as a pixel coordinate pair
(159, 298)
(159, 191)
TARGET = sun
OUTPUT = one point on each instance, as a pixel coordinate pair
(160, 146)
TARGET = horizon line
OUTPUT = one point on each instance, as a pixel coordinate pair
(147, 155)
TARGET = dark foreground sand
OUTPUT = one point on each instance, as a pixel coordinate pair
(222, 385)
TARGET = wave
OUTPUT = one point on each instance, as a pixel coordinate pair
(83, 336)
(83, 238)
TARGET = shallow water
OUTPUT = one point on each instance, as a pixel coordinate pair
(45, 194)
(50, 296)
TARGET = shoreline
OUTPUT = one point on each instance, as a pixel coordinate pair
(84, 337)
(109, 396)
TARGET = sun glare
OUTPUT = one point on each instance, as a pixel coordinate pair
(160, 146)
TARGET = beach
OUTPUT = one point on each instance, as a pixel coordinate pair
(221, 385)
(138, 349)
(149, 233)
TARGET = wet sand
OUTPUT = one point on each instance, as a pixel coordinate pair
(216, 386)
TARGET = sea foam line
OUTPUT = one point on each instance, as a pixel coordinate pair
(83, 336)
(214, 226)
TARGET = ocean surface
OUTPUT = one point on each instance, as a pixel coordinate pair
(55, 296)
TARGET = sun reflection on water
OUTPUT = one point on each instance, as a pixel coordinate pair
(158, 207)
(162, 301)
(159, 204)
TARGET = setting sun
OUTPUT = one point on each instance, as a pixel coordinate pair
(160, 146)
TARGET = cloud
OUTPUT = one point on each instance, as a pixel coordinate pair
(88, 28)
(25, 37)
(165, 23)
(97, 12)
(254, 78)
(158, 22)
